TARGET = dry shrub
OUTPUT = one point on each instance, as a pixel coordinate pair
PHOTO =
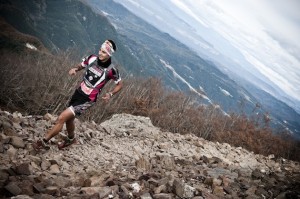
(136, 97)
(258, 137)
(34, 82)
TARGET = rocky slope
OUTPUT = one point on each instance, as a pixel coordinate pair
(127, 157)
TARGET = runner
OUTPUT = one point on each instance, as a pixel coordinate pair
(98, 71)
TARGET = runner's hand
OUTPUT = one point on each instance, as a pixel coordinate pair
(106, 97)
(73, 71)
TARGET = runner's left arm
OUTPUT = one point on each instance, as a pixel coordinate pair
(116, 89)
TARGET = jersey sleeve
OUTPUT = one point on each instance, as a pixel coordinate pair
(86, 60)
(115, 75)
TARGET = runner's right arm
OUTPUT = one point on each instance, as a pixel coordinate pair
(74, 70)
(82, 65)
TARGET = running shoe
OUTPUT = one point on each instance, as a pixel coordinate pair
(66, 142)
(40, 144)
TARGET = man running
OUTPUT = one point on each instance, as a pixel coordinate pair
(98, 71)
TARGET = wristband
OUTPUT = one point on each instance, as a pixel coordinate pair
(78, 68)
(110, 94)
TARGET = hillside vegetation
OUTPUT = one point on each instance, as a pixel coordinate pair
(38, 83)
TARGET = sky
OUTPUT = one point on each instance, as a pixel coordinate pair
(267, 33)
(263, 33)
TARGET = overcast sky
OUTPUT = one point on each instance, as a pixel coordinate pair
(265, 32)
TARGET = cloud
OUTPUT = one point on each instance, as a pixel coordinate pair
(265, 32)
(274, 75)
(186, 8)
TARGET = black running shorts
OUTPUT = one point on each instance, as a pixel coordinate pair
(79, 103)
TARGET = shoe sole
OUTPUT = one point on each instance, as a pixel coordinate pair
(62, 148)
(38, 149)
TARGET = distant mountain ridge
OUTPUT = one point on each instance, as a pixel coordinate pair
(142, 49)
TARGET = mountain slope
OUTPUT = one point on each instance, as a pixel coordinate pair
(128, 157)
(277, 109)
(63, 25)
(13, 40)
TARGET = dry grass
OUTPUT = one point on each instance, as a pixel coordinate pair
(38, 83)
(34, 82)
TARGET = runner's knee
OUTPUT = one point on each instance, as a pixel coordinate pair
(64, 117)
(61, 119)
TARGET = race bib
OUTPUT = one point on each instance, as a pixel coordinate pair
(86, 89)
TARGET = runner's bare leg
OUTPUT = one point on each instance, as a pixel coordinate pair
(65, 116)
(70, 127)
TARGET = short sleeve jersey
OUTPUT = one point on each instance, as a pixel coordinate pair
(97, 74)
